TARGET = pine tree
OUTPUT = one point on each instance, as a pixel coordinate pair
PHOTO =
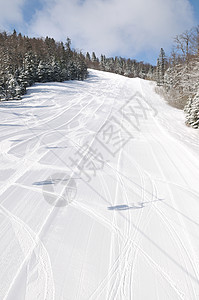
(88, 57)
(161, 67)
(94, 58)
(42, 72)
(71, 71)
(30, 60)
(192, 111)
(102, 62)
(30, 67)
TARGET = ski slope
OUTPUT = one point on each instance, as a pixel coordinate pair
(99, 194)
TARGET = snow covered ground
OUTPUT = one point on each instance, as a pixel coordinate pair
(99, 194)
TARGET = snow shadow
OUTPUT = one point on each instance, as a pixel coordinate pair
(56, 147)
(50, 181)
(45, 182)
(12, 125)
(93, 78)
(126, 207)
(22, 115)
(131, 206)
(12, 105)
(51, 88)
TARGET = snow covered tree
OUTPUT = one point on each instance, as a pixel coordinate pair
(192, 111)
(161, 67)
(29, 68)
(71, 71)
(181, 79)
(88, 57)
(150, 75)
(12, 83)
(102, 62)
(24, 61)
(54, 71)
(94, 58)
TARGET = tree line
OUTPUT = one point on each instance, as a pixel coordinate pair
(178, 74)
(122, 66)
(24, 61)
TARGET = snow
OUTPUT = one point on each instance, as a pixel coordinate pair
(119, 221)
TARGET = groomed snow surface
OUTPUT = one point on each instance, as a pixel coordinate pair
(99, 194)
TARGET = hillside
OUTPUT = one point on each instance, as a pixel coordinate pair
(99, 193)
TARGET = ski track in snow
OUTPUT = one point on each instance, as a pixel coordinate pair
(132, 230)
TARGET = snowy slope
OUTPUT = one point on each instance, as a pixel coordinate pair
(99, 194)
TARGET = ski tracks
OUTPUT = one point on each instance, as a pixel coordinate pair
(78, 122)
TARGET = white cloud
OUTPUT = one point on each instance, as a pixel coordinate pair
(10, 13)
(126, 27)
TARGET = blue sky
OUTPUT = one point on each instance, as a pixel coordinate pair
(30, 8)
(195, 4)
(128, 28)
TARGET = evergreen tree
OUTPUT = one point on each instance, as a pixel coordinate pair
(161, 67)
(30, 60)
(94, 58)
(41, 72)
(88, 57)
(192, 111)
